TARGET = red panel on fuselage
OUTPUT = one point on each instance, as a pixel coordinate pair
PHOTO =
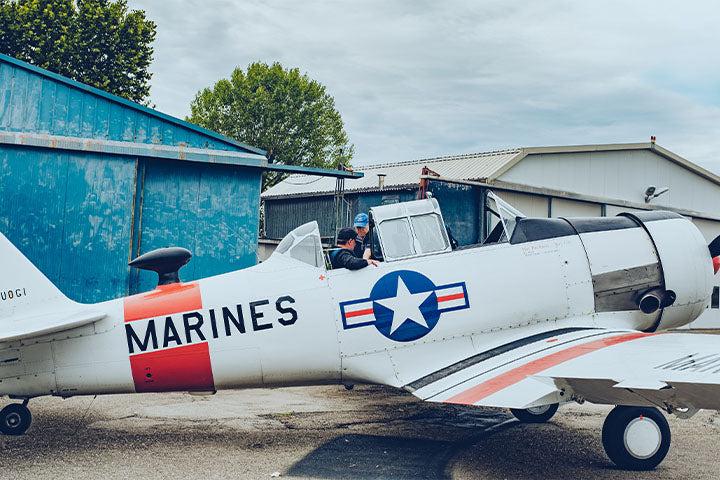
(164, 300)
(184, 368)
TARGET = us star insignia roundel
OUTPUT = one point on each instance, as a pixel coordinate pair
(404, 305)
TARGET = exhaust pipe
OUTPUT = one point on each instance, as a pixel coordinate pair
(655, 299)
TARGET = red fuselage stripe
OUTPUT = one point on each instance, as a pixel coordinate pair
(511, 377)
(455, 296)
(358, 313)
(178, 369)
(165, 300)
(183, 368)
(368, 311)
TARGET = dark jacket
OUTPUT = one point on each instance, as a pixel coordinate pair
(361, 245)
(344, 258)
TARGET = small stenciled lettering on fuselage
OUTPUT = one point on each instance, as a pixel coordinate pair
(187, 328)
(696, 362)
(13, 293)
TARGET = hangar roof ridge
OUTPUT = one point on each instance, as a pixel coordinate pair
(440, 158)
(128, 103)
(400, 175)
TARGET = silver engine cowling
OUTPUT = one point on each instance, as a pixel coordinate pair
(650, 270)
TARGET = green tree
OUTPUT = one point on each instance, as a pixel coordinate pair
(279, 110)
(97, 42)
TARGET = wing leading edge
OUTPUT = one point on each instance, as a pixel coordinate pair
(671, 370)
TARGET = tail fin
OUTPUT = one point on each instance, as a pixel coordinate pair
(23, 288)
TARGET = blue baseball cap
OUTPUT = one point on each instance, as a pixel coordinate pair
(361, 220)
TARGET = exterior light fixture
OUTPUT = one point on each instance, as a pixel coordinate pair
(654, 192)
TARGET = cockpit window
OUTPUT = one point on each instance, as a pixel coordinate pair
(397, 238)
(428, 230)
(303, 244)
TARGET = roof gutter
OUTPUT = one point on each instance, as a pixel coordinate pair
(169, 152)
(325, 172)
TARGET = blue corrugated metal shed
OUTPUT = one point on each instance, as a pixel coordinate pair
(89, 180)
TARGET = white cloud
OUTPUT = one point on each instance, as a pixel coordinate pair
(422, 78)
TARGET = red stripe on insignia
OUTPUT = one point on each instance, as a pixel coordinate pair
(358, 313)
(451, 297)
(164, 300)
(185, 368)
(511, 377)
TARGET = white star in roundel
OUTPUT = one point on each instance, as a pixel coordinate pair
(405, 306)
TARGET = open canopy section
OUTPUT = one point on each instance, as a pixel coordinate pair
(503, 218)
(303, 244)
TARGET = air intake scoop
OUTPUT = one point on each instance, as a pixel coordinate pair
(166, 262)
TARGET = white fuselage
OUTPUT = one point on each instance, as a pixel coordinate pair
(284, 322)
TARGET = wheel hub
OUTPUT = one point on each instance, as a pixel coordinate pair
(539, 410)
(13, 420)
(642, 438)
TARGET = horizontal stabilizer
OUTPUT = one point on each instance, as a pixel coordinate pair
(21, 328)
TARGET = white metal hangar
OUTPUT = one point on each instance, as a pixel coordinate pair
(564, 181)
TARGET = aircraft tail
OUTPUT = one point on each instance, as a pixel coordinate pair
(23, 288)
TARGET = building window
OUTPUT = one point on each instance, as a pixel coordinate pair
(388, 199)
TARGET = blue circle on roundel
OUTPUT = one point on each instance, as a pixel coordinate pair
(407, 294)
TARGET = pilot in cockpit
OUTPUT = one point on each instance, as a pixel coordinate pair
(343, 256)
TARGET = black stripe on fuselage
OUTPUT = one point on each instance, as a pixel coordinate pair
(488, 354)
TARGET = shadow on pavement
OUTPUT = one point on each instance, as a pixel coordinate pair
(375, 457)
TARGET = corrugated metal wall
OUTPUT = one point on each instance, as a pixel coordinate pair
(212, 210)
(282, 215)
(80, 216)
(460, 206)
(71, 215)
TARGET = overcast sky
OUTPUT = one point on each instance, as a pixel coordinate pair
(422, 78)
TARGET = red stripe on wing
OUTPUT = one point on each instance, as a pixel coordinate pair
(511, 377)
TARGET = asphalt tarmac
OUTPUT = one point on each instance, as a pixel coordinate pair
(329, 433)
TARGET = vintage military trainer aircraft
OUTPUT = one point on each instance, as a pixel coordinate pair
(545, 311)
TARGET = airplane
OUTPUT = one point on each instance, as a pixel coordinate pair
(544, 312)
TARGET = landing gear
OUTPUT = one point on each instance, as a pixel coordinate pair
(15, 419)
(636, 438)
(539, 414)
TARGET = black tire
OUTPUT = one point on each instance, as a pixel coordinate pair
(15, 419)
(616, 437)
(535, 415)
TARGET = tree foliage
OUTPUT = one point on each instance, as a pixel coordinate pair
(97, 42)
(279, 110)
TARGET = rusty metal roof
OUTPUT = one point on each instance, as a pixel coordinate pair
(474, 166)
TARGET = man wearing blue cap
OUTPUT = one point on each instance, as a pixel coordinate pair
(362, 241)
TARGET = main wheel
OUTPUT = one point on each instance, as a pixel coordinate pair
(15, 419)
(636, 438)
(539, 414)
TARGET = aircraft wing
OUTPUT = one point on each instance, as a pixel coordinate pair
(669, 370)
(21, 328)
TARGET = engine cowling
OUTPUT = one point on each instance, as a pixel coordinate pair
(686, 264)
(650, 270)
